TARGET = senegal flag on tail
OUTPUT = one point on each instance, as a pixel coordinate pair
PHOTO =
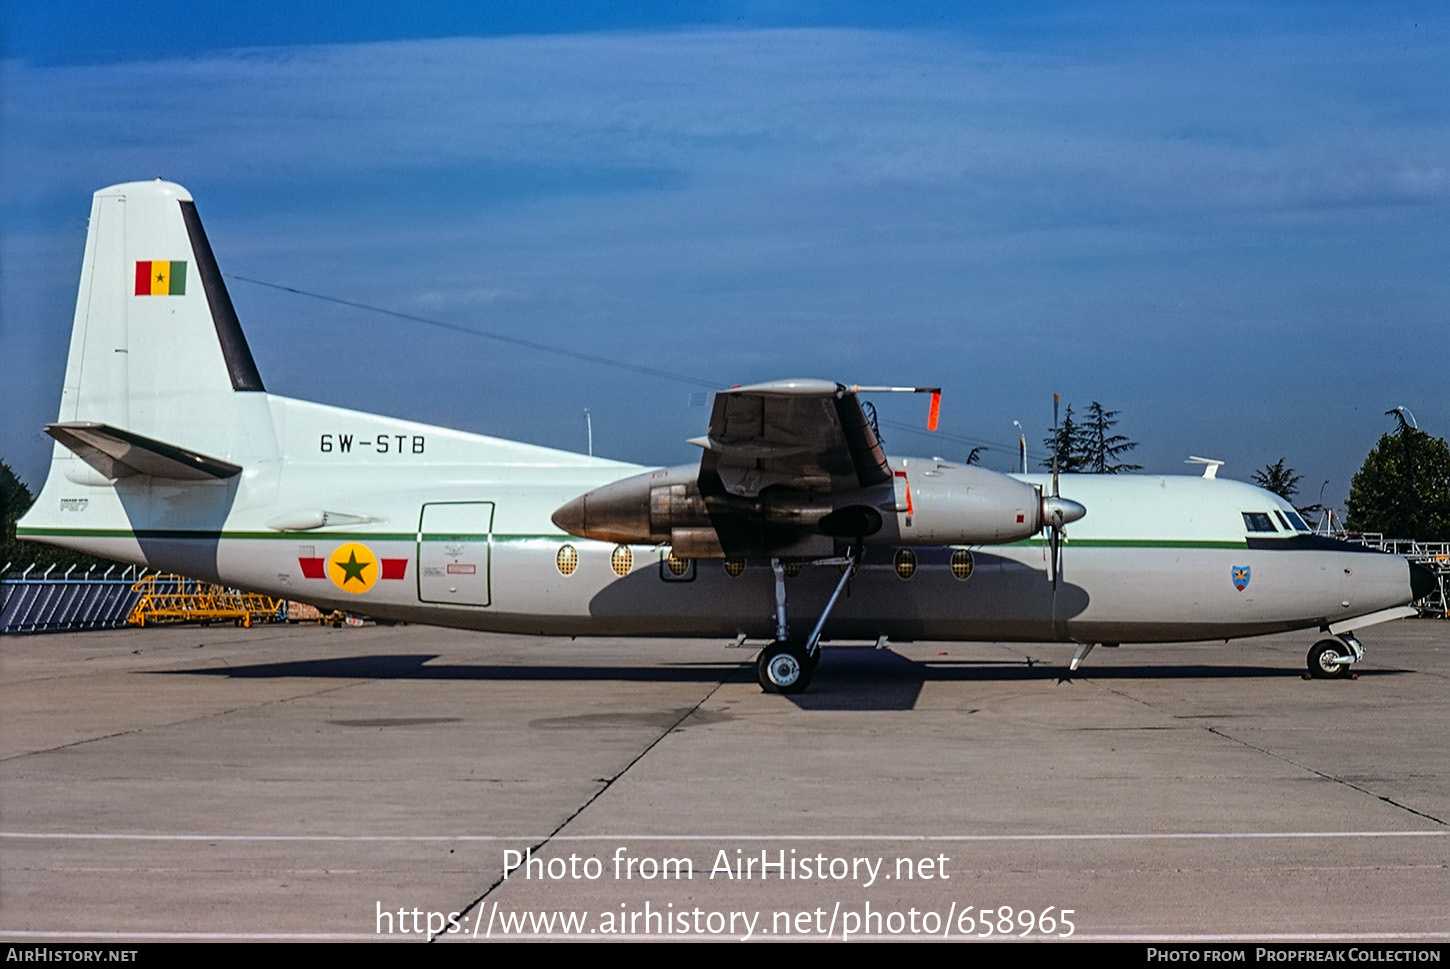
(161, 278)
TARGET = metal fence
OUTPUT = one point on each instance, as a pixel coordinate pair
(35, 601)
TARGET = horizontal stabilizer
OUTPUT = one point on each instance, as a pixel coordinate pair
(121, 454)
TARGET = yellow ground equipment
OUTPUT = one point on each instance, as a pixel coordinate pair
(175, 598)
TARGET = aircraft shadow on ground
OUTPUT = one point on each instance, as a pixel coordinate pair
(851, 678)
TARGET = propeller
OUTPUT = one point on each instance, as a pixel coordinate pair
(1057, 511)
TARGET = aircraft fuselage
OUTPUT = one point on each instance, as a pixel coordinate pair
(469, 543)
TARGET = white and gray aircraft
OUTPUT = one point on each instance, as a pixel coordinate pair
(793, 528)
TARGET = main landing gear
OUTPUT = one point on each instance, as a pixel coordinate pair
(1333, 658)
(787, 665)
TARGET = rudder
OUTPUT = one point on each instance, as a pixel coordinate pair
(156, 347)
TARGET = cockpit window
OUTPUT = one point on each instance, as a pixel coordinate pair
(1297, 522)
(1283, 521)
(1258, 521)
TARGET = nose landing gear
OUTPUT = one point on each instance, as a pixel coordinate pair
(1334, 658)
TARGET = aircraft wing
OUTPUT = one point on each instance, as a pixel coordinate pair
(802, 435)
(791, 469)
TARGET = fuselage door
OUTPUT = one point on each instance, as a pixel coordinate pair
(454, 542)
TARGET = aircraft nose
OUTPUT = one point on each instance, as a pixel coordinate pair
(1422, 581)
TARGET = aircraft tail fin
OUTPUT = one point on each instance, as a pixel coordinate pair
(157, 354)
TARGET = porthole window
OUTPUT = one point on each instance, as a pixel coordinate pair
(734, 567)
(567, 560)
(621, 560)
(905, 563)
(677, 566)
(962, 563)
(793, 569)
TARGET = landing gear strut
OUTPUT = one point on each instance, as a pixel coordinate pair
(1334, 658)
(786, 665)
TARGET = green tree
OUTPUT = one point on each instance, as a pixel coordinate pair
(15, 500)
(1280, 480)
(1089, 447)
(1403, 488)
(1067, 444)
(1101, 447)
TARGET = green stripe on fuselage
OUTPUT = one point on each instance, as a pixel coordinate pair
(207, 535)
(1124, 543)
(204, 535)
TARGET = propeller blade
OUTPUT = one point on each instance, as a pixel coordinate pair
(1057, 568)
(1053, 559)
(1056, 514)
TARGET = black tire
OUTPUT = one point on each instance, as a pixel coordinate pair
(1322, 665)
(783, 668)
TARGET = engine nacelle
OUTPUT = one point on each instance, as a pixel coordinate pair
(949, 504)
(929, 503)
(643, 509)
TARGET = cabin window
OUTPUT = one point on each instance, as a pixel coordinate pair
(905, 563)
(1258, 521)
(793, 569)
(621, 560)
(677, 566)
(733, 567)
(961, 563)
(567, 560)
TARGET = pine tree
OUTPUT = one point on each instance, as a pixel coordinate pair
(1067, 443)
(1280, 480)
(1100, 447)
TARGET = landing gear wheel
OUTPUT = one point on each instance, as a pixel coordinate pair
(783, 668)
(1324, 660)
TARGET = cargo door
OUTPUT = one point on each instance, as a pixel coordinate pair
(455, 539)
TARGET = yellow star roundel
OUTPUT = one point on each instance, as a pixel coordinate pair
(353, 568)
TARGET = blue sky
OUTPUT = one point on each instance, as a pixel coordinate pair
(1228, 223)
